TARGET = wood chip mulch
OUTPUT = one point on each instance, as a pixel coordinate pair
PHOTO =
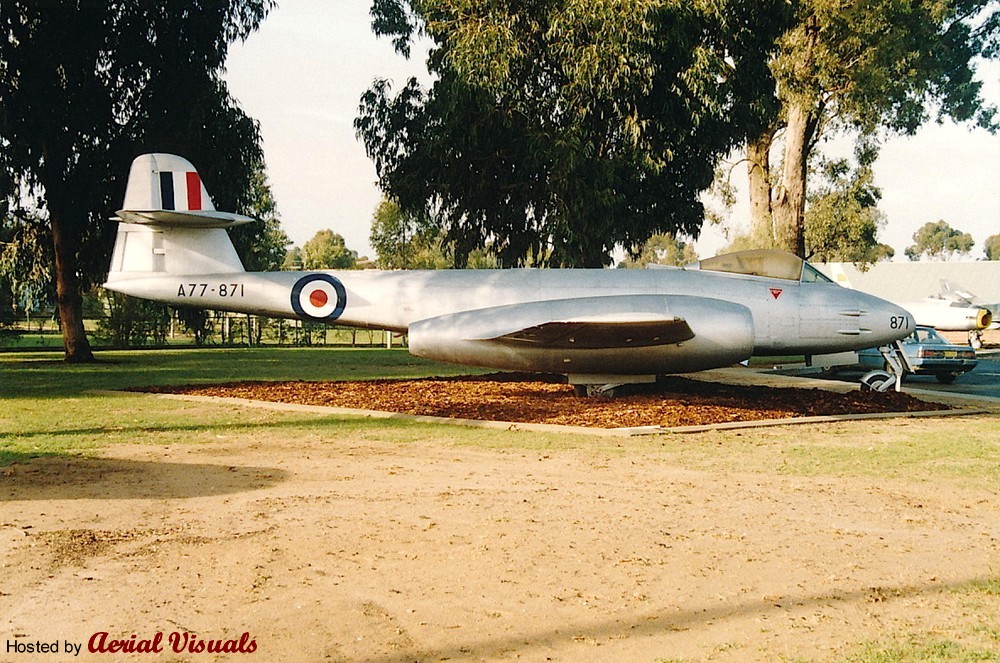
(673, 401)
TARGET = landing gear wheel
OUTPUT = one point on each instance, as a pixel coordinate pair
(877, 381)
(596, 390)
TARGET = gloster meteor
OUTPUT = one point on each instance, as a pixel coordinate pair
(598, 326)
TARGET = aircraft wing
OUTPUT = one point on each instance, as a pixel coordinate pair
(595, 334)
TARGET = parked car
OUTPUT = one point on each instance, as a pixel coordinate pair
(929, 353)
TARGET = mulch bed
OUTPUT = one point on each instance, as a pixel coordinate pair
(673, 401)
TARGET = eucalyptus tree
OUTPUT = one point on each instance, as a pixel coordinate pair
(662, 250)
(85, 86)
(405, 241)
(871, 66)
(992, 247)
(402, 241)
(328, 250)
(26, 283)
(937, 239)
(843, 219)
(556, 130)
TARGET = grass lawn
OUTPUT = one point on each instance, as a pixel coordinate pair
(47, 406)
(44, 374)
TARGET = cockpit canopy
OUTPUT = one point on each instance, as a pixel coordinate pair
(768, 263)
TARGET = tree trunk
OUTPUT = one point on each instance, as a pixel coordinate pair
(68, 296)
(789, 205)
(759, 176)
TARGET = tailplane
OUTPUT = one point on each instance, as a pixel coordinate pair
(169, 224)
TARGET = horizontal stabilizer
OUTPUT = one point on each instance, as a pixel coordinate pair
(162, 218)
(592, 335)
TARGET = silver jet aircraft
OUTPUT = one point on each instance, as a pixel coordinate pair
(601, 327)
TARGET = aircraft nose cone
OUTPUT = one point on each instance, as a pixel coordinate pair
(887, 321)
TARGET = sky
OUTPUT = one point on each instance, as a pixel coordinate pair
(302, 74)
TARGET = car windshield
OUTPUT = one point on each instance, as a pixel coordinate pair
(767, 263)
(926, 335)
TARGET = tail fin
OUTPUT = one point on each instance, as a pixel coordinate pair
(169, 224)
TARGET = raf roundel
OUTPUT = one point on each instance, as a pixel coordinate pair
(319, 297)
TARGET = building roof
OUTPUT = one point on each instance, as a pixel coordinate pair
(912, 281)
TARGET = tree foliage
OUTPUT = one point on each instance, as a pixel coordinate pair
(26, 263)
(662, 250)
(868, 66)
(843, 219)
(937, 239)
(293, 259)
(556, 130)
(402, 241)
(85, 86)
(131, 322)
(992, 247)
(327, 250)
(262, 244)
(405, 241)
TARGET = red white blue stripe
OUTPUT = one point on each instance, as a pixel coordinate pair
(181, 191)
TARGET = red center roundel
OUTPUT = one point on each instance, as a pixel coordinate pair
(318, 298)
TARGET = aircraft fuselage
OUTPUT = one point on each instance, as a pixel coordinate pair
(787, 317)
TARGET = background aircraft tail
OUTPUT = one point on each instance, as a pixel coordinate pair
(169, 224)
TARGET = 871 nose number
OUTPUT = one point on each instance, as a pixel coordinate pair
(899, 322)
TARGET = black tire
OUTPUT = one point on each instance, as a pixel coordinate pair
(946, 378)
(876, 381)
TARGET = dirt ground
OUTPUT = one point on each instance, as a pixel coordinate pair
(356, 548)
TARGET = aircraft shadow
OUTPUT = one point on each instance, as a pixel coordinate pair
(67, 477)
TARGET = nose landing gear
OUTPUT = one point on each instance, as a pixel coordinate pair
(897, 365)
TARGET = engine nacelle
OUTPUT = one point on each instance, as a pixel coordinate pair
(720, 334)
(940, 314)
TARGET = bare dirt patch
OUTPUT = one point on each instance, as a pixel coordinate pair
(521, 398)
(362, 550)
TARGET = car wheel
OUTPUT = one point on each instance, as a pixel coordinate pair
(946, 378)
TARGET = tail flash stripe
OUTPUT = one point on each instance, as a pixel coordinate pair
(167, 190)
(193, 191)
